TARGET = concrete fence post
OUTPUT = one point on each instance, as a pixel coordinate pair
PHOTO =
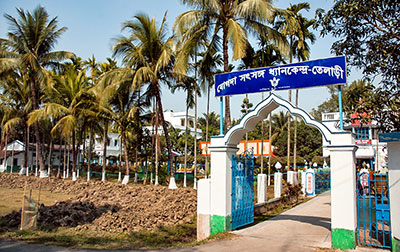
(277, 185)
(261, 188)
(203, 209)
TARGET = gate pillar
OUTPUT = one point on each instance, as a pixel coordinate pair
(220, 203)
(393, 146)
(343, 193)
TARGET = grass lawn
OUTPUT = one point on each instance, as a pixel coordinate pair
(11, 199)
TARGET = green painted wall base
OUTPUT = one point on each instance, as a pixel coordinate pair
(343, 239)
(219, 224)
(395, 245)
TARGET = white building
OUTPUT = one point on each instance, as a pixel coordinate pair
(114, 148)
(178, 121)
(14, 155)
(370, 150)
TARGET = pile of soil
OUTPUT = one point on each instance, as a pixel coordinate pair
(107, 206)
(52, 184)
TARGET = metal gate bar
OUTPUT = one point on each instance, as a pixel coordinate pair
(373, 210)
(242, 196)
(322, 181)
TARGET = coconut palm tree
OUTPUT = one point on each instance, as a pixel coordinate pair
(299, 48)
(70, 103)
(16, 98)
(192, 91)
(118, 104)
(150, 52)
(31, 39)
(226, 22)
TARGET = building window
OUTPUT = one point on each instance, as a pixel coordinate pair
(15, 162)
(191, 124)
(115, 142)
(182, 122)
(362, 133)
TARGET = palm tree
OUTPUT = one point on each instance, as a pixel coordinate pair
(29, 47)
(227, 21)
(118, 104)
(98, 92)
(16, 97)
(150, 53)
(192, 91)
(71, 102)
(299, 48)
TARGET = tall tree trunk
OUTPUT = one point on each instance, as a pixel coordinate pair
(186, 138)
(290, 100)
(89, 153)
(73, 156)
(59, 159)
(5, 153)
(65, 159)
(226, 70)
(207, 115)
(172, 184)
(195, 138)
(295, 135)
(35, 105)
(50, 158)
(136, 160)
(126, 177)
(12, 156)
(105, 138)
(26, 153)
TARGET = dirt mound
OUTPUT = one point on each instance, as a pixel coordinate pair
(108, 206)
(49, 184)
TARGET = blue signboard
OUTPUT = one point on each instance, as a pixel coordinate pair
(329, 71)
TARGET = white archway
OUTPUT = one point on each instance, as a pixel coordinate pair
(214, 194)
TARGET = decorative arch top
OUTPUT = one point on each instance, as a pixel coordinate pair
(261, 111)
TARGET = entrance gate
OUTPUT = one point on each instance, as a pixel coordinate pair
(322, 180)
(373, 212)
(242, 200)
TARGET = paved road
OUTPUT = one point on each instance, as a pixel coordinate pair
(303, 228)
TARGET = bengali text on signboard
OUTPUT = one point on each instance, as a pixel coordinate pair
(329, 71)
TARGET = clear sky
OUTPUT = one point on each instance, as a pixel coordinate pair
(93, 24)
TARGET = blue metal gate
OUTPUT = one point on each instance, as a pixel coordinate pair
(322, 180)
(242, 197)
(373, 210)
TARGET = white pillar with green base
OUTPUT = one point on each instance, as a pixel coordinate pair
(343, 193)
(220, 203)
